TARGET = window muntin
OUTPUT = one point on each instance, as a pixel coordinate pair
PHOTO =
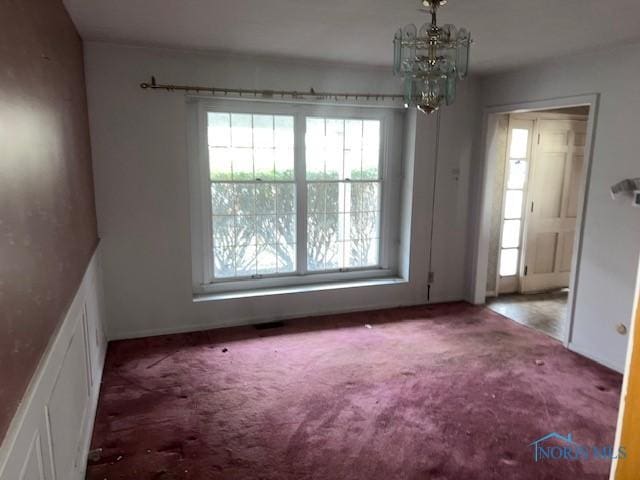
(258, 176)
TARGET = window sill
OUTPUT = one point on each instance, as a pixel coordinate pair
(265, 292)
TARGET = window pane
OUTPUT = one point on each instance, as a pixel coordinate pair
(284, 147)
(243, 147)
(222, 199)
(315, 148)
(264, 164)
(363, 197)
(224, 236)
(315, 197)
(283, 159)
(322, 237)
(353, 164)
(219, 129)
(333, 256)
(263, 131)
(286, 229)
(334, 149)
(342, 149)
(266, 229)
(267, 259)
(242, 163)
(325, 197)
(353, 149)
(246, 233)
(283, 131)
(519, 143)
(517, 173)
(254, 228)
(511, 234)
(265, 198)
(362, 253)
(343, 225)
(241, 135)
(509, 262)
(245, 199)
(286, 198)
(362, 226)
(286, 259)
(220, 163)
(246, 260)
(334, 197)
(224, 262)
(513, 204)
(371, 149)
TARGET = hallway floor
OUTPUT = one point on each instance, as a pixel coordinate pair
(543, 311)
(441, 392)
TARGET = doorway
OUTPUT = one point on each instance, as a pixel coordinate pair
(537, 166)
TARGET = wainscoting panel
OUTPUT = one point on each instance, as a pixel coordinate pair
(49, 436)
(33, 467)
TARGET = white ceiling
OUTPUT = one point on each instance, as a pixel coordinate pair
(507, 33)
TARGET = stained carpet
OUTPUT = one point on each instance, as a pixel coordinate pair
(439, 392)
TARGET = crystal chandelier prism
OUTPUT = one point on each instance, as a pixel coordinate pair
(431, 61)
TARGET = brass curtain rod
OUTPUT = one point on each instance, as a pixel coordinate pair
(294, 94)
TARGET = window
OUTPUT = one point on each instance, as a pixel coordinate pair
(343, 193)
(253, 198)
(516, 174)
(291, 194)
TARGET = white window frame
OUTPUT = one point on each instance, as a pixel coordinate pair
(200, 186)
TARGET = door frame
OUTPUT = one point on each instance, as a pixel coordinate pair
(481, 231)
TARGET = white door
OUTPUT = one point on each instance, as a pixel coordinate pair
(552, 204)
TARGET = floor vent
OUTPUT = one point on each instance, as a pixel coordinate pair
(269, 325)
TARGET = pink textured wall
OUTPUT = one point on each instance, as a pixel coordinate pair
(47, 213)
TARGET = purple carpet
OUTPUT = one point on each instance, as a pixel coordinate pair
(439, 392)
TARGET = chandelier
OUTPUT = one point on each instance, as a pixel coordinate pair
(431, 61)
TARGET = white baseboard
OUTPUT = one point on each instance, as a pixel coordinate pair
(50, 434)
(176, 329)
(172, 330)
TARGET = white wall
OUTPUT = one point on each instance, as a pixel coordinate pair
(142, 192)
(611, 243)
(458, 144)
(49, 436)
